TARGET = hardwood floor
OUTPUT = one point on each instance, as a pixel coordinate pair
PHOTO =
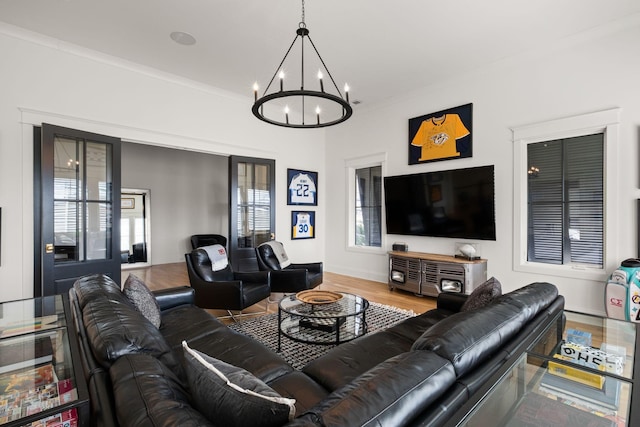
(169, 275)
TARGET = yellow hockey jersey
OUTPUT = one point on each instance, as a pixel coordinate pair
(437, 136)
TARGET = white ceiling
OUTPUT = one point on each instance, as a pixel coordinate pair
(381, 48)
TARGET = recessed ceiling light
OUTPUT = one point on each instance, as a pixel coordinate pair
(185, 39)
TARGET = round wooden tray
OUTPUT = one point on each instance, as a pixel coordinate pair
(318, 297)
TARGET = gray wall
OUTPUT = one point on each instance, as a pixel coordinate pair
(188, 193)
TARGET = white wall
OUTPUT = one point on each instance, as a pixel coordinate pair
(589, 73)
(48, 81)
(189, 194)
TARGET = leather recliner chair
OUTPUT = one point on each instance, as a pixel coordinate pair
(225, 289)
(291, 279)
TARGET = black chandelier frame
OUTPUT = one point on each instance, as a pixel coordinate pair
(302, 93)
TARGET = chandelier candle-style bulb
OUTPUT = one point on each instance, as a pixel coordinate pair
(318, 113)
(321, 82)
(255, 91)
(346, 92)
(286, 113)
(281, 75)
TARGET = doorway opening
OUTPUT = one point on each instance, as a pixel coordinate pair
(135, 226)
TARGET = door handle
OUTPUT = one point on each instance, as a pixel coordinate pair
(48, 248)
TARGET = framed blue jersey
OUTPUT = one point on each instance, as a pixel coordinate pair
(302, 187)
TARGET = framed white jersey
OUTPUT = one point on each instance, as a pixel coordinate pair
(302, 187)
(303, 225)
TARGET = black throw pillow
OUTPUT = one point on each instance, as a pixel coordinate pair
(231, 396)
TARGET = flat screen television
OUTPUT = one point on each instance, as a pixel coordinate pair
(457, 203)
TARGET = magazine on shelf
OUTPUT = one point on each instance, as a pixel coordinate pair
(27, 379)
(63, 419)
(31, 325)
(606, 398)
(25, 352)
(33, 391)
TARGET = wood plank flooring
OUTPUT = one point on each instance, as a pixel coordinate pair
(169, 275)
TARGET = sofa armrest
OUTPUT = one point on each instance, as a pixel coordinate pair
(173, 297)
(451, 301)
(312, 267)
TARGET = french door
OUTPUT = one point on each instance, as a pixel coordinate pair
(251, 209)
(77, 219)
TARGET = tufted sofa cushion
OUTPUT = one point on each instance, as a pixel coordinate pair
(468, 338)
(349, 360)
(88, 288)
(115, 327)
(533, 298)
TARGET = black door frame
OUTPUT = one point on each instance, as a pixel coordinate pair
(41, 152)
(244, 259)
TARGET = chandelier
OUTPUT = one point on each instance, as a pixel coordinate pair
(306, 108)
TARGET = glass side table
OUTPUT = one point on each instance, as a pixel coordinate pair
(41, 378)
(580, 373)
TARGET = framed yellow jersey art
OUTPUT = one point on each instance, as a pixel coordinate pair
(442, 135)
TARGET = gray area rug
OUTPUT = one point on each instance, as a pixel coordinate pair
(265, 329)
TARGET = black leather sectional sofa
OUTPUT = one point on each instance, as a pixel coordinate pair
(418, 372)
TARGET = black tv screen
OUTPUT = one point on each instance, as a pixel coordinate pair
(457, 203)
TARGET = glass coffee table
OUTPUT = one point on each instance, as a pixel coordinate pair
(583, 372)
(329, 323)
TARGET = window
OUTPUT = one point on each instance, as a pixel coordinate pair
(365, 213)
(565, 201)
(368, 206)
(565, 196)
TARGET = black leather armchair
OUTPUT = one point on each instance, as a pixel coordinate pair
(294, 277)
(225, 289)
(200, 240)
(139, 252)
